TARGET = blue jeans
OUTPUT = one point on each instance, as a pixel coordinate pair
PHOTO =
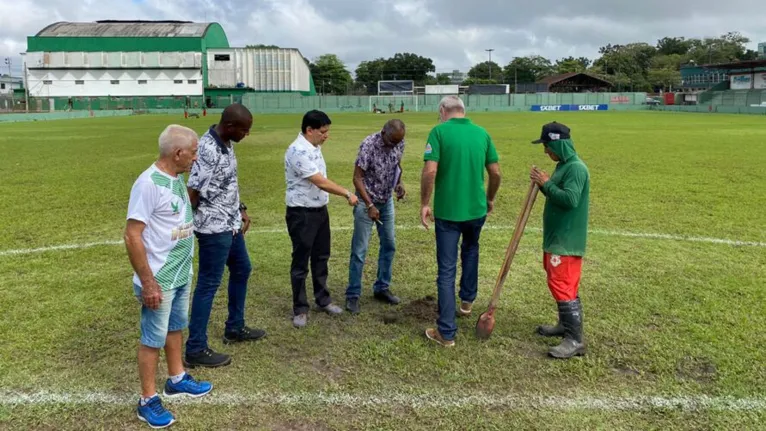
(447, 237)
(172, 315)
(215, 252)
(360, 243)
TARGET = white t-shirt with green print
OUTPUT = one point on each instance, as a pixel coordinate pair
(162, 203)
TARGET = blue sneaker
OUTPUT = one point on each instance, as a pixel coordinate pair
(187, 387)
(155, 414)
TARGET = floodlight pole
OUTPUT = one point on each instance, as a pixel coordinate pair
(489, 64)
(10, 81)
(25, 81)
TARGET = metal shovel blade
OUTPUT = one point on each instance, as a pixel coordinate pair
(485, 324)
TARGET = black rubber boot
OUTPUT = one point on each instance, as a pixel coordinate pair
(552, 331)
(571, 320)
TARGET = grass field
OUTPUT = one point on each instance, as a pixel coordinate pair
(672, 286)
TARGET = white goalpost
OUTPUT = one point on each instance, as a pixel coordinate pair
(387, 104)
(394, 96)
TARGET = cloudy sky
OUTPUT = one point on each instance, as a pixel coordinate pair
(454, 33)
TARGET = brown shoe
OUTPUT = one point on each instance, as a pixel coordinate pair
(465, 309)
(434, 335)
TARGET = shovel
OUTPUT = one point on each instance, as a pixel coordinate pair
(486, 322)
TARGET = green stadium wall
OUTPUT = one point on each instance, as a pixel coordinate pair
(274, 103)
(47, 116)
(294, 103)
(710, 109)
(106, 103)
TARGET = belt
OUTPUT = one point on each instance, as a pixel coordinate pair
(307, 209)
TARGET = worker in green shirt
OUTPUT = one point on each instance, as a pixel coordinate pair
(565, 228)
(456, 155)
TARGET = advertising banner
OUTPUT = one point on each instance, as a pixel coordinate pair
(442, 89)
(741, 82)
(543, 108)
(760, 81)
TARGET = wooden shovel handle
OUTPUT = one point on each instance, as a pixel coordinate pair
(510, 252)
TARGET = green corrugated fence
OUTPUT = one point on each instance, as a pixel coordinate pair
(732, 98)
(113, 103)
(715, 109)
(295, 103)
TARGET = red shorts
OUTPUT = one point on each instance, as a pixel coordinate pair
(563, 275)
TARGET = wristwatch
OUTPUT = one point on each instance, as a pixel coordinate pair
(348, 195)
(242, 207)
(370, 206)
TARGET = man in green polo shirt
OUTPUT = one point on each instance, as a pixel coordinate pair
(457, 154)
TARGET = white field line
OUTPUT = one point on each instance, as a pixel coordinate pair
(263, 231)
(57, 247)
(311, 399)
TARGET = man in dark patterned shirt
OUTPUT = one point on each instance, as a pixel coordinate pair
(377, 175)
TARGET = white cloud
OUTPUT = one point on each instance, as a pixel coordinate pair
(454, 33)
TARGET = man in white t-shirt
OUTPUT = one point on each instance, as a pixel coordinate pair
(160, 243)
(308, 221)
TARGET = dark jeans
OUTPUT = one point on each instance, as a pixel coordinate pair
(215, 252)
(447, 237)
(309, 230)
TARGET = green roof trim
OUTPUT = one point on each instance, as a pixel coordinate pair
(312, 88)
(213, 37)
(112, 44)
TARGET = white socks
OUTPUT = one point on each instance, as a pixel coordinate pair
(178, 378)
(146, 400)
(174, 379)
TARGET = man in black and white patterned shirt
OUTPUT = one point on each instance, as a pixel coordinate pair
(220, 224)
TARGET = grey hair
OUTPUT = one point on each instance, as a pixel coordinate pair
(452, 103)
(176, 136)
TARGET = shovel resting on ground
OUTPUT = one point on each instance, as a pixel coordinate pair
(486, 322)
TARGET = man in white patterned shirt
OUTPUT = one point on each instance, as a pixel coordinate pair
(220, 222)
(308, 221)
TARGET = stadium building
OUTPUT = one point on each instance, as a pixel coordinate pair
(695, 79)
(150, 64)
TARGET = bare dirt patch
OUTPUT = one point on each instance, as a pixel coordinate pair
(424, 309)
(701, 370)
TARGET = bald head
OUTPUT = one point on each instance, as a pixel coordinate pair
(394, 125)
(393, 132)
(236, 113)
(235, 123)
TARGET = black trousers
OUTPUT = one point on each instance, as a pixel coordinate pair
(309, 230)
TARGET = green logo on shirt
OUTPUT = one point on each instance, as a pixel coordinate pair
(174, 206)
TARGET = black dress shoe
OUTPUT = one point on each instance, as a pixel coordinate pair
(206, 358)
(352, 305)
(387, 296)
(244, 334)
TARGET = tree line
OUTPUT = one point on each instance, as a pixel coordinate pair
(637, 66)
